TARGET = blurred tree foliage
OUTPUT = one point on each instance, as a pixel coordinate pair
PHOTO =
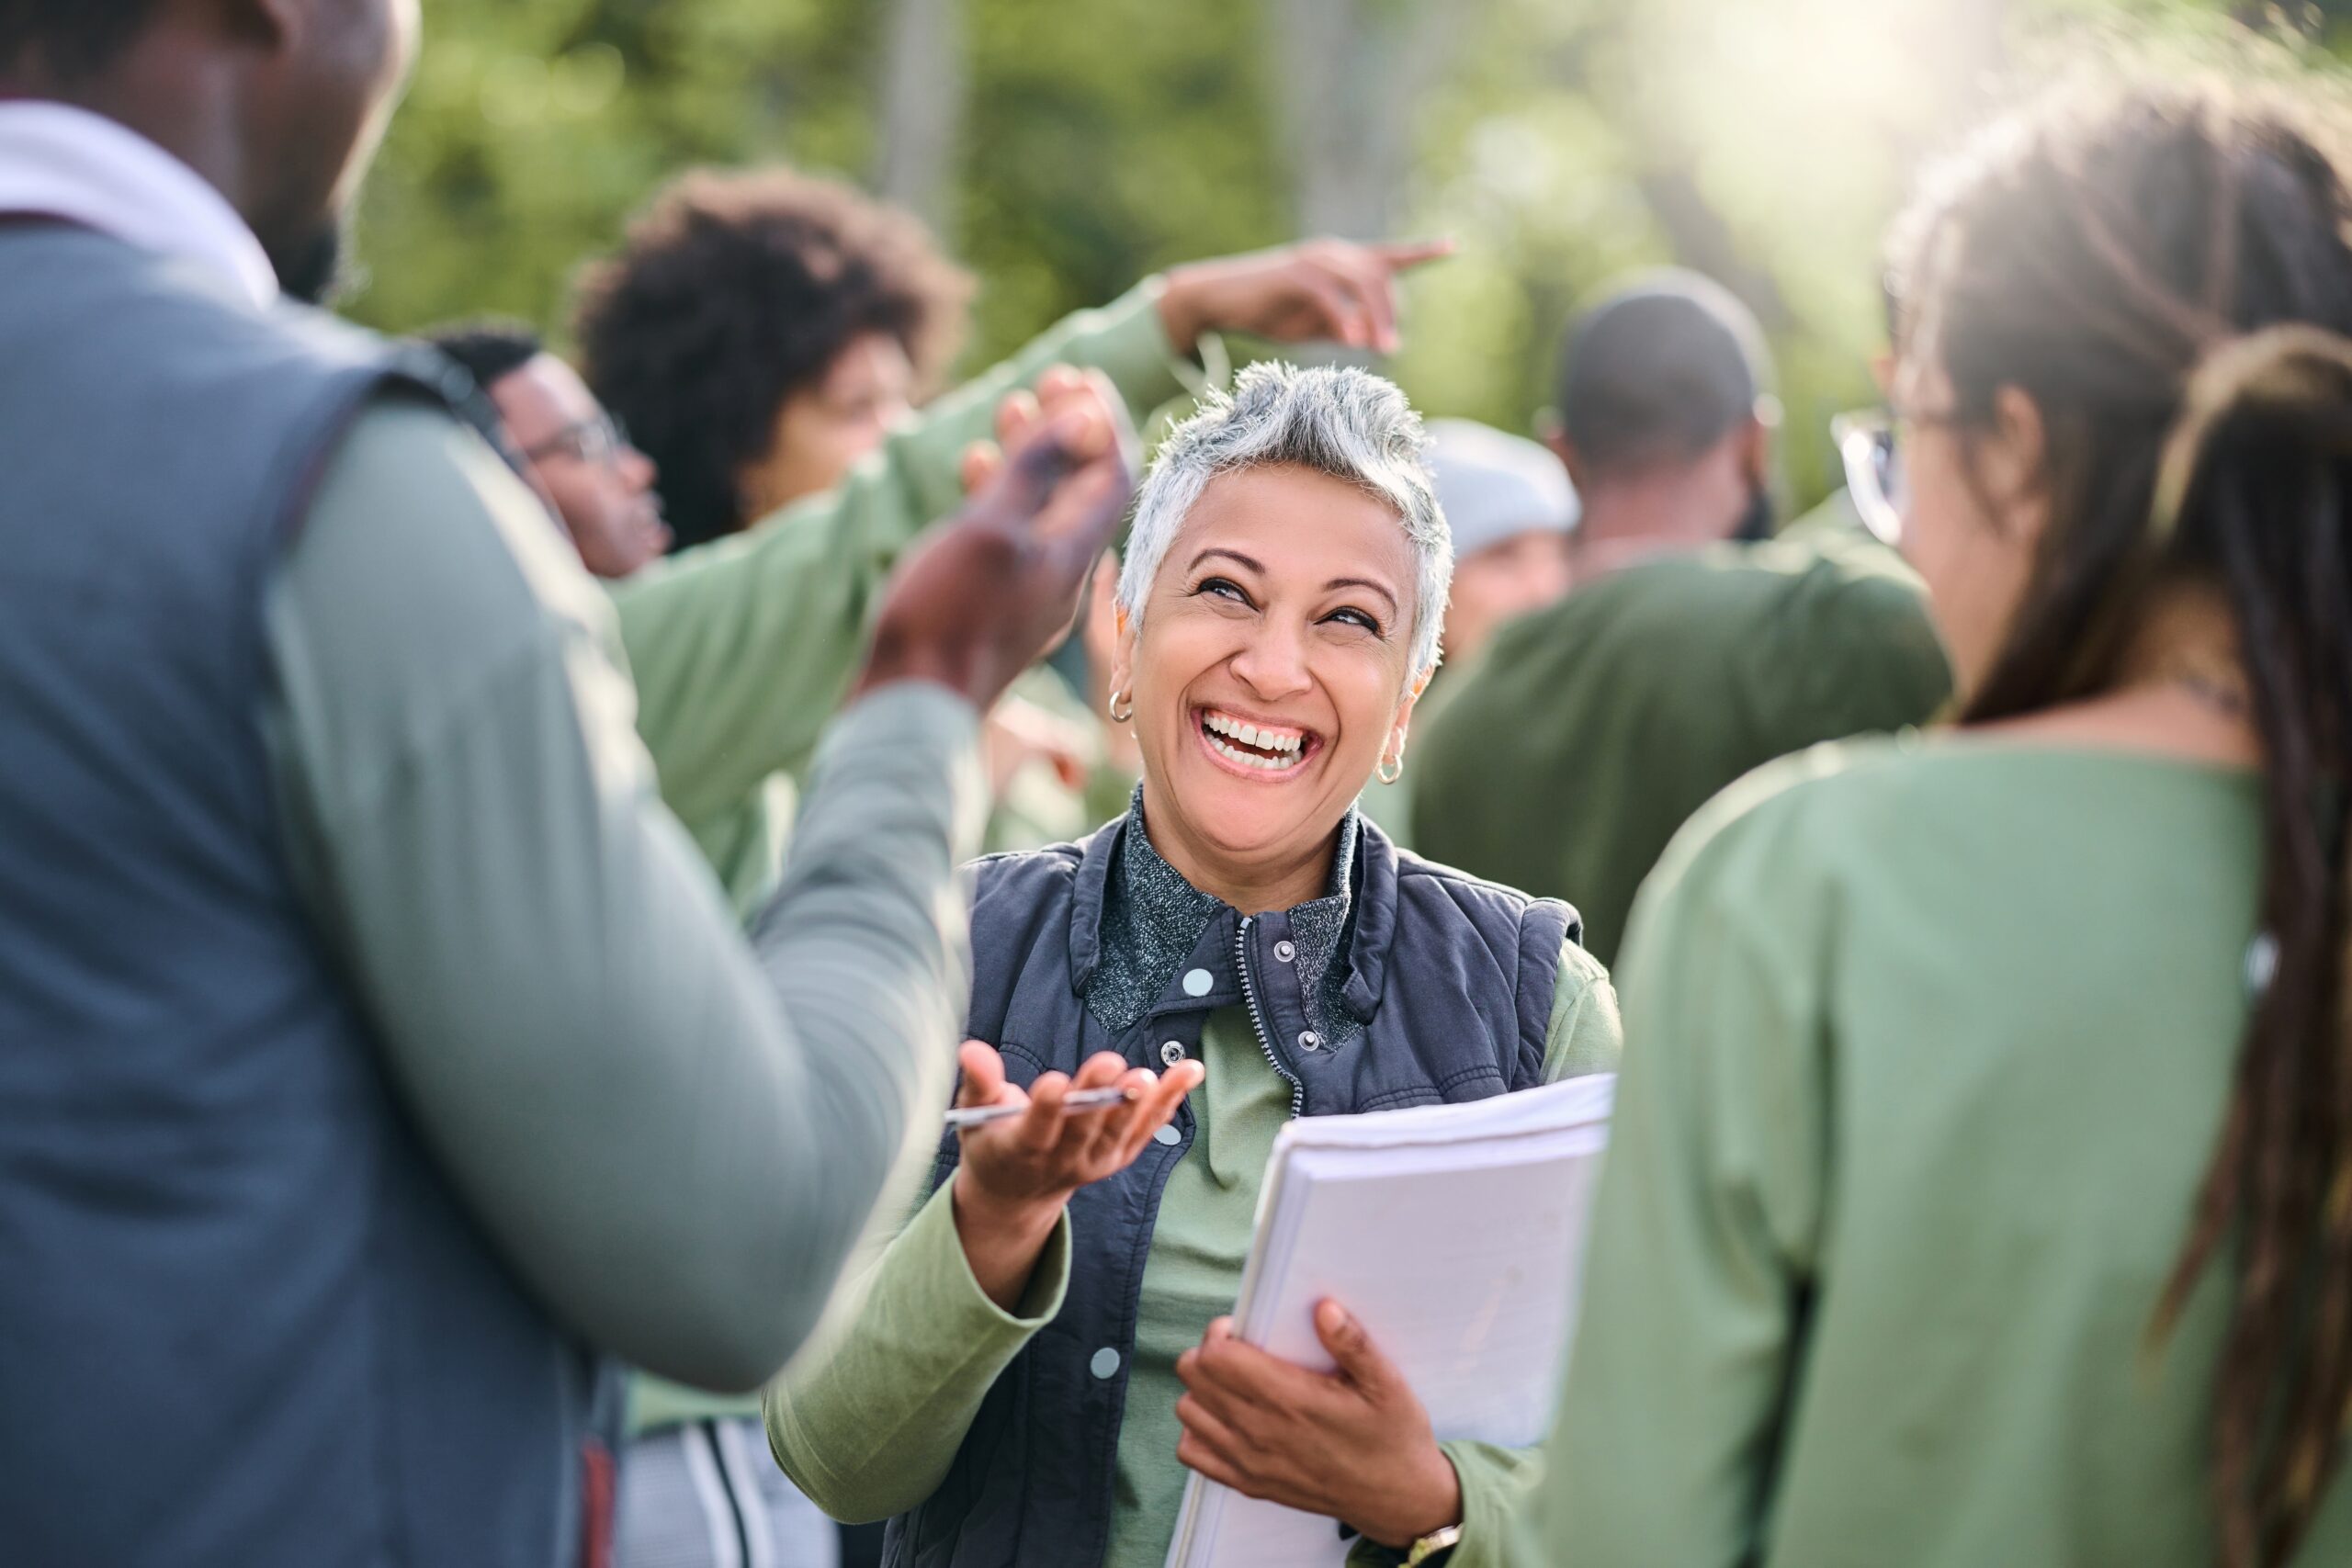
(1094, 140)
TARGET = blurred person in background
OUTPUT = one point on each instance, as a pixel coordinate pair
(1509, 505)
(1981, 1183)
(760, 332)
(1664, 417)
(330, 846)
(1026, 1372)
(1683, 656)
(568, 445)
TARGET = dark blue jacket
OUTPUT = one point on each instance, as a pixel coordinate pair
(1452, 979)
(243, 1320)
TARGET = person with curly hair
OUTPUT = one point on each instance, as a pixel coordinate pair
(760, 332)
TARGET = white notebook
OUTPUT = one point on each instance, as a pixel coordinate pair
(1455, 1234)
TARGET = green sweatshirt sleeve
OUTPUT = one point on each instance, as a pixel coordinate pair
(673, 1138)
(1706, 1223)
(740, 648)
(867, 1420)
(1587, 1035)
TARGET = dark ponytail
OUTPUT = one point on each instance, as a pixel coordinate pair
(2167, 276)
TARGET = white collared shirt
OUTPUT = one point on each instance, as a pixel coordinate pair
(60, 161)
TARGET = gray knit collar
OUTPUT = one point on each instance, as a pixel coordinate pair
(1152, 921)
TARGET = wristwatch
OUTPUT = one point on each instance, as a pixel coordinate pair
(1433, 1547)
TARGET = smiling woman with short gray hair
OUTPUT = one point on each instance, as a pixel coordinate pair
(1029, 1368)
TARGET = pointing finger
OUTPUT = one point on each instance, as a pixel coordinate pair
(1402, 255)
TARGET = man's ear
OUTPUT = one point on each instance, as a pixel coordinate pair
(1755, 452)
(1555, 435)
(266, 23)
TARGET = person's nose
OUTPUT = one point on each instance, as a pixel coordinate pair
(1272, 663)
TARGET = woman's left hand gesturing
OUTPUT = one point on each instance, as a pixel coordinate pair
(1353, 1444)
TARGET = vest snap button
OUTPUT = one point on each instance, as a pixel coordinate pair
(1105, 1362)
(1167, 1134)
(1172, 1052)
(1308, 1040)
(1197, 982)
(1286, 951)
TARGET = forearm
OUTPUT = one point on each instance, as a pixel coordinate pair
(863, 946)
(742, 648)
(671, 1147)
(1001, 1244)
(868, 1419)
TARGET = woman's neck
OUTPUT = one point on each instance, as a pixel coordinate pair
(1254, 887)
(2180, 690)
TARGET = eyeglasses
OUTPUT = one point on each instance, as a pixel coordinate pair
(598, 440)
(1869, 444)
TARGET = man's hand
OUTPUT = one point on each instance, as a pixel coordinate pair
(986, 592)
(1016, 1175)
(1353, 1445)
(1323, 289)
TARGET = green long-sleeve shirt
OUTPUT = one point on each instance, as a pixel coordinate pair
(671, 1136)
(1586, 733)
(740, 649)
(1929, 1046)
(868, 1419)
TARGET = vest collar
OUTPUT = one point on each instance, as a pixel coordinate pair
(1133, 915)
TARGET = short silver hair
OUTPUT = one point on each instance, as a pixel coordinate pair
(1338, 421)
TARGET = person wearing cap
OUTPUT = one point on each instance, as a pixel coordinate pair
(1510, 506)
(1692, 647)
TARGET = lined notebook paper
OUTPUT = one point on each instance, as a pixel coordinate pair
(1455, 1234)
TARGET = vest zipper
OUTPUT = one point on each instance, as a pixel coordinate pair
(1249, 1003)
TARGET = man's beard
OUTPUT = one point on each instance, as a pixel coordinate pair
(312, 267)
(1756, 523)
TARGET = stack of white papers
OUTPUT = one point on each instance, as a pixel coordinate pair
(1455, 1234)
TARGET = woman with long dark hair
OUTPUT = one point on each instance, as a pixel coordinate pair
(1982, 1185)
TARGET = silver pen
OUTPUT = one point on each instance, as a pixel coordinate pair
(1077, 1099)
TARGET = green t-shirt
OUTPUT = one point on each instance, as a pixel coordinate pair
(1892, 1196)
(1591, 731)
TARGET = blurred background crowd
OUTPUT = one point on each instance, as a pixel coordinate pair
(1061, 152)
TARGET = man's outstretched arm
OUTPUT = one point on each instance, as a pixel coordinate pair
(673, 1138)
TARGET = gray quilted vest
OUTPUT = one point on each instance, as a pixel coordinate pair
(1446, 984)
(243, 1319)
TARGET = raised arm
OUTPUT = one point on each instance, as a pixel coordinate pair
(674, 1140)
(741, 647)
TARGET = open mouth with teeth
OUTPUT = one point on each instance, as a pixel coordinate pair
(1256, 748)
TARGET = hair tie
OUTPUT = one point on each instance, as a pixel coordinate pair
(2293, 365)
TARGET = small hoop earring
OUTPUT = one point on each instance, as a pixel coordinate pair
(1388, 773)
(1118, 698)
